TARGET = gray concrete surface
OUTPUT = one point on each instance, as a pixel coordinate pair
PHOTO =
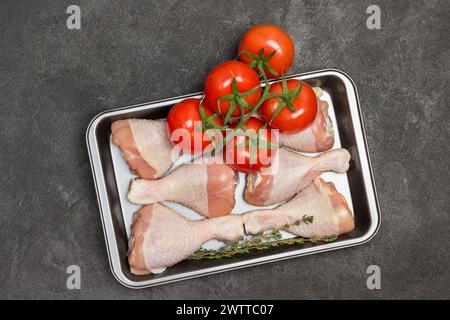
(54, 80)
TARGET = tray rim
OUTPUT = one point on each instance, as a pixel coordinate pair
(105, 213)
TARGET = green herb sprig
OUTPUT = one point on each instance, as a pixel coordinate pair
(261, 241)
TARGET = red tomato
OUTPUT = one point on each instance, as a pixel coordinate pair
(288, 121)
(239, 155)
(218, 84)
(269, 38)
(185, 125)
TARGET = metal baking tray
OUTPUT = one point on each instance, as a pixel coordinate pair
(112, 176)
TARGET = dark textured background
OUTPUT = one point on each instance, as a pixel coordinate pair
(54, 80)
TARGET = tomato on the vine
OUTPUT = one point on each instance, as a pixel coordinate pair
(295, 111)
(251, 148)
(268, 48)
(232, 89)
(186, 116)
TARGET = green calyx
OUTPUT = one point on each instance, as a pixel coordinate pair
(264, 97)
(236, 100)
(208, 122)
(255, 142)
(261, 62)
(286, 98)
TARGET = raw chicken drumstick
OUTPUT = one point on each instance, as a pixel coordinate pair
(319, 136)
(161, 237)
(330, 211)
(145, 146)
(206, 188)
(291, 172)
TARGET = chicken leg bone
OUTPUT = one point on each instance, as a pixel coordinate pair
(161, 237)
(320, 200)
(290, 173)
(206, 188)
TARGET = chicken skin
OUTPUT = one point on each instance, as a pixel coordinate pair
(320, 200)
(206, 188)
(290, 173)
(145, 146)
(161, 237)
(319, 136)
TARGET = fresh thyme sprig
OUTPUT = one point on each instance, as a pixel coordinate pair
(261, 241)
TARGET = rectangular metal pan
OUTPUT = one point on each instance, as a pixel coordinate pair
(111, 178)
